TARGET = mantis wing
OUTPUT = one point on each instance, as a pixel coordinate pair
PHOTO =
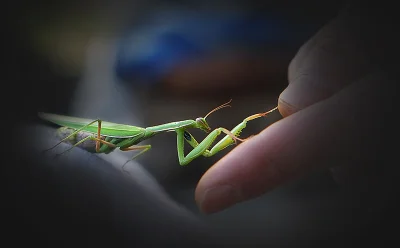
(107, 128)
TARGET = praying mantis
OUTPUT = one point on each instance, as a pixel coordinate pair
(108, 136)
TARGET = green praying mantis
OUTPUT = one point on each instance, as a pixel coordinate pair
(108, 136)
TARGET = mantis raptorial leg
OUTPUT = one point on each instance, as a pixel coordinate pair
(201, 149)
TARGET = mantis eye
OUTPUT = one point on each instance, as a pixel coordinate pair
(203, 123)
(200, 121)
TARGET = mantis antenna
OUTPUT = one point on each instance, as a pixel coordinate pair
(218, 108)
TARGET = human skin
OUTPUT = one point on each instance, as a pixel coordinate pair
(338, 82)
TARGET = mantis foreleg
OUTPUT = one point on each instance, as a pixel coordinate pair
(202, 148)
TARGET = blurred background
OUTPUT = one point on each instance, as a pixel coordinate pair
(151, 62)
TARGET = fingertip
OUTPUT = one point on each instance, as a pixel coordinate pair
(240, 175)
(219, 187)
(286, 109)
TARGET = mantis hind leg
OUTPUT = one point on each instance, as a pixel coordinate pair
(144, 149)
(89, 138)
(98, 140)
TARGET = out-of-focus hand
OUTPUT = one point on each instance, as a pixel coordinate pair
(84, 197)
(334, 109)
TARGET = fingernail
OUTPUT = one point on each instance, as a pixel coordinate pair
(218, 198)
(285, 108)
(302, 93)
(294, 93)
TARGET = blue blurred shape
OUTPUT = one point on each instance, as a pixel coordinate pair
(151, 50)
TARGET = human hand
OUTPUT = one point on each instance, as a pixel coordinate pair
(88, 199)
(332, 110)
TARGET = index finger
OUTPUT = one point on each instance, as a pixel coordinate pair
(334, 131)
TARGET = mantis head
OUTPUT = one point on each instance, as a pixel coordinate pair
(202, 124)
(201, 121)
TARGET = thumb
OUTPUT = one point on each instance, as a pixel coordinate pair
(327, 63)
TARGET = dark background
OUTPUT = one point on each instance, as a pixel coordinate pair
(47, 64)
